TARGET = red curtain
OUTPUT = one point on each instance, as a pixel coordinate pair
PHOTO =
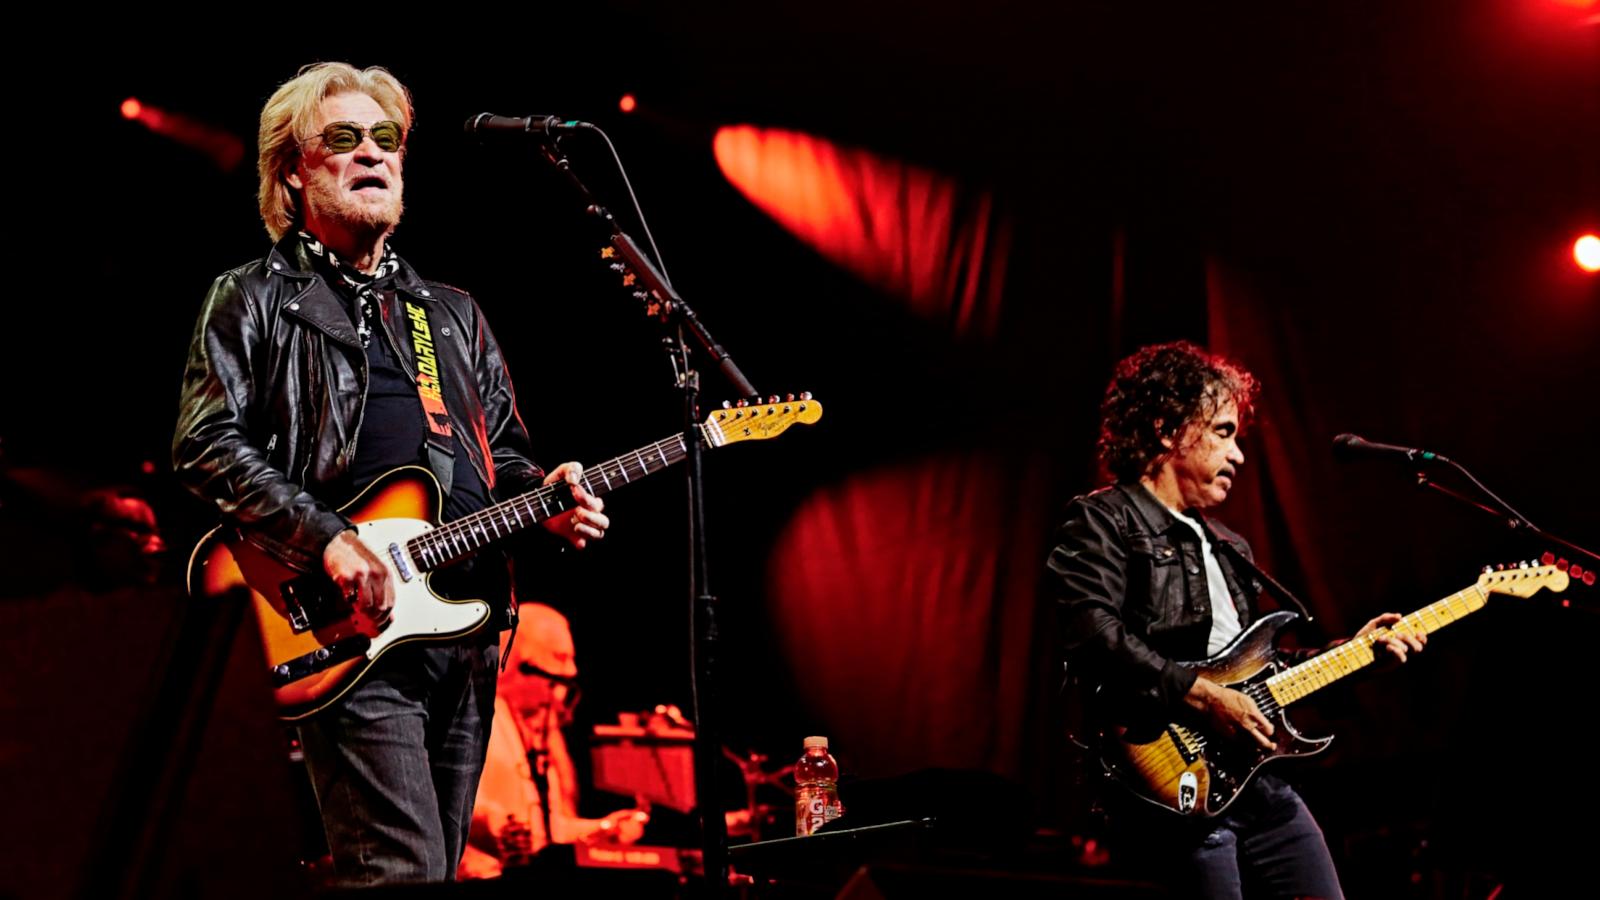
(903, 595)
(908, 231)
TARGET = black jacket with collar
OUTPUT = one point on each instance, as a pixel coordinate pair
(1130, 586)
(275, 386)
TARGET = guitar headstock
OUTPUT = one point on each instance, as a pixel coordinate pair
(1525, 579)
(746, 421)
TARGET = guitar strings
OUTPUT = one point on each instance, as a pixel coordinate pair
(435, 546)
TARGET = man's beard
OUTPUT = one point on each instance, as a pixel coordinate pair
(360, 219)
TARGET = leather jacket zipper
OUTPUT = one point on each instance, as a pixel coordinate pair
(361, 413)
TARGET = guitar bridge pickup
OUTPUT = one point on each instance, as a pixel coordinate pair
(399, 557)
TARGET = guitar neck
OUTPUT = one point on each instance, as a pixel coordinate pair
(1356, 654)
(456, 540)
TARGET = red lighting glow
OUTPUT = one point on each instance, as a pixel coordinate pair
(1586, 252)
(927, 238)
(627, 104)
(131, 108)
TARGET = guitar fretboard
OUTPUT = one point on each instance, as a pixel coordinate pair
(1356, 654)
(453, 541)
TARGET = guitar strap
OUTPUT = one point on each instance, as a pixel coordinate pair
(1272, 585)
(430, 391)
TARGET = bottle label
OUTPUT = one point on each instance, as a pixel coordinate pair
(815, 807)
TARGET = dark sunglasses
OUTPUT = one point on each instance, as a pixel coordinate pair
(342, 137)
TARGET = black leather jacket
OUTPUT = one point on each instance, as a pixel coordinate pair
(1130, 586)
(275, 386)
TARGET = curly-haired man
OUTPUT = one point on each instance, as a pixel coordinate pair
(1144, 581)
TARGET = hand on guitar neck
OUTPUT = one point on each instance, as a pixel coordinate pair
(1397, 643)
(585, 522)
(1231, 712)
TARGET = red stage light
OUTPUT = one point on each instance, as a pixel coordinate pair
(131, 108)
(1586, 252)
(627, 104)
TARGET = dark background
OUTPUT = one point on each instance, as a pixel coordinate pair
(1371, 207)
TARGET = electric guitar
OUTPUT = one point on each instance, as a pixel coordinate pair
(318, 646)
(1181, 767)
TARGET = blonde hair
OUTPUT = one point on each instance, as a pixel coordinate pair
(289, 116)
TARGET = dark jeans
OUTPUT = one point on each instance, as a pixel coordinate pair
(395, 763)
(1266, 845)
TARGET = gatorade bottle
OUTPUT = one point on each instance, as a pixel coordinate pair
(816, 782)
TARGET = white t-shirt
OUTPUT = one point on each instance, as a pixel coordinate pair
(1224, 617)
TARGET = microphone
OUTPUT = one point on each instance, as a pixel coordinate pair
(488, 123)
(1347, 447)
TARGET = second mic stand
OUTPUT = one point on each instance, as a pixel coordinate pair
(1500, 510)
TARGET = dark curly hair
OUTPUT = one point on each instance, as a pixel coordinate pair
(1155, 394)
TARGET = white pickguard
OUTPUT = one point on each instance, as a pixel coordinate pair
(418, 611)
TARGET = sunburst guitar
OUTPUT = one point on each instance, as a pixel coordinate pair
(1182, 768)
(318, 646)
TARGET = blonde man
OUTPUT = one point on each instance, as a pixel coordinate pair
(300, 389)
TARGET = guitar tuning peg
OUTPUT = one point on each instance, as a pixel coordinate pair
(1499, 567)
(805, 395)
(741, 404)
(788, 398)
(1488, 570)
(727, 405)
(1525, 565)
(772, 398)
